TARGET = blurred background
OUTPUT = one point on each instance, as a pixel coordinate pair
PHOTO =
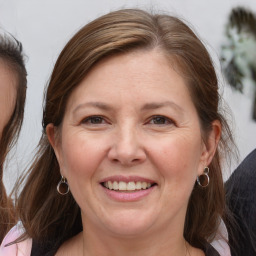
(44, 26)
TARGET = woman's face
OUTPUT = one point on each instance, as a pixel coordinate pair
(8, 94)
(130, 145)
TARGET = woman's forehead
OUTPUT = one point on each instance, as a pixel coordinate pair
(140, 78)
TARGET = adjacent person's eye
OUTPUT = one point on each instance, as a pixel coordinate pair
(160, 120)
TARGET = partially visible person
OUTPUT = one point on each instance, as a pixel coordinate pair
(13, 84)
(241, 200)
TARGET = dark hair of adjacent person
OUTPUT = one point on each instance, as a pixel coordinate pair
(241, 200)
(48, 216)
(12, 57)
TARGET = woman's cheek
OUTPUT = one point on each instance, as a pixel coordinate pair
(81, 155)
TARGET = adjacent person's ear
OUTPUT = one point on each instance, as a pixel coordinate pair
(211, 142)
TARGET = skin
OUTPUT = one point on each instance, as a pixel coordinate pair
(7, 96)
(146, 126)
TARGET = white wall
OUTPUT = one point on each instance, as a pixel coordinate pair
(44, 26)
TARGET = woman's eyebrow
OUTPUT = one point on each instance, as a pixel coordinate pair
(147, 106)
(157, 105)
(93, 104)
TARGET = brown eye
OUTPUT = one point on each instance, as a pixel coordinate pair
(93, 120)
(160, 120)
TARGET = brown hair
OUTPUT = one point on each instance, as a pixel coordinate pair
(11, 55)
(47, 215)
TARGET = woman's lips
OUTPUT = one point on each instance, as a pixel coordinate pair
(126, 186)
(127, 179)
(124, 189)
(128, 196)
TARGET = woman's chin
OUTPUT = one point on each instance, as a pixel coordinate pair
(128, 230)
(130, 223)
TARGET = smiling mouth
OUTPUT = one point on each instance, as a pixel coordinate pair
(130, 186)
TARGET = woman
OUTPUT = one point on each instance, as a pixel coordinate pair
(131, 142)
(12, 100)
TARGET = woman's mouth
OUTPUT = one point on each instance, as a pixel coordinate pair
(132, 186)
(127, 189)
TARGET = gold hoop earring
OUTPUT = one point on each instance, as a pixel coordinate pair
(203, 180)
(62, 186)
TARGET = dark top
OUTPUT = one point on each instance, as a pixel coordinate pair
(241, 199)
(38, 250)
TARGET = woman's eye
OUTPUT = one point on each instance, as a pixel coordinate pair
(93, 120)
(160, 120)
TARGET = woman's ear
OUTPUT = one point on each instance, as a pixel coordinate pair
(211, 143)
(52, 136)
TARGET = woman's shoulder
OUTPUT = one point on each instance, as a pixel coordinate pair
(211, 251)
(220, 242)
(22, 248)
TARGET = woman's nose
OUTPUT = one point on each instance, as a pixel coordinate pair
(127, 148)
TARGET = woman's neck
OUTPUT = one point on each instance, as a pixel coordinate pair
(132, 246)
(82, 245)
(95, 241)
(165, 241)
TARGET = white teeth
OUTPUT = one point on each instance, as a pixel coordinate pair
(130, 185)
(138, 185)
(115, 185)
(144, 185)
(110, 186)
(127, 186)
(122, 185)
